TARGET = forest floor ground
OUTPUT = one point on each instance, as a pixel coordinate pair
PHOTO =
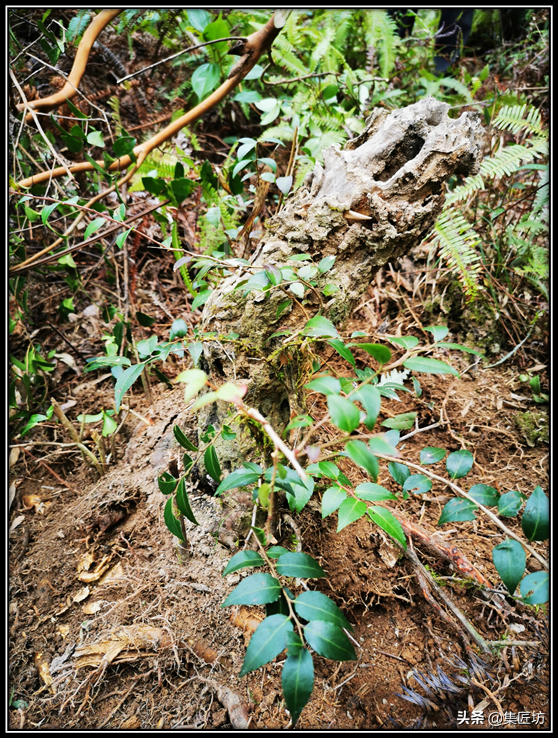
(106, 629)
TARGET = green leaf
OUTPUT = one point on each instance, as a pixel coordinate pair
(329, 641)
(300, 421)
(343, 413)
(95, 138)
(408, 342)
(211, 462)
(320, 326)
(249, 96)
(484, 495)
(429, 366)
(299, 565)
(171, 522)
(509, 504)
(297, 680)
(535, 588)
(243, 559)
(381, 353)
(330, 289)
(326, 263)
(109, 425)
(179, 329)
(418, 484)
(457, 510)
(399, 472)
(459, 463)
(342, 350)
(276, 551)
(257, 589)
(328, 469)
(125, 381)
(379, 445)
(535, 521)
(121, 238)
(371, 401)
(326, 385)
(93, 227)
(182, 440)
(267, 642)
(401, 422)
(332, 498)
(124, 146)
(439, 332)
(201, 299)
(282, 307)
(431, 455)
(359, 453)
(182, 188)
(67, 260)
(205, 79)
(317, 606)
(387, 521)
(167, 483)
(238, 478)
(45, 212)
(199, 19)
(349, 511)
(373, 492)
(509, 560)
(183, 503)
(459, 347)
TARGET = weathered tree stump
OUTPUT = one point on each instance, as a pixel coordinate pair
(393, 174)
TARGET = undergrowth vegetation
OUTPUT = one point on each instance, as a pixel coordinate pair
(208, 197)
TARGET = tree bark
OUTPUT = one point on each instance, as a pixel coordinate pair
(394, 175)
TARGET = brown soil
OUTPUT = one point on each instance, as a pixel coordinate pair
(108, 630)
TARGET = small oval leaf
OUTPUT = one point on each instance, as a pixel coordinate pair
(459, 463)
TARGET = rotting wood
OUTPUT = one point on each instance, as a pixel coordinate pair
(394, 174)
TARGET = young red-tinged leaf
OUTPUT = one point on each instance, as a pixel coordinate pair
(329, 641)
(267, 642)
(333, 497)
(459, 463)
(418, 484)
(404, 421)
(320, 326)
(342, 350)
(241, 560)
(171, 522)
(360, 454)
(484, 495)
(431, 455)
(343, 413)
(299, 565)
(373, 492)
(387, 521)
(381, 353)
(317, 606)
(509, 560)
(535, 588)
(125, 381)
(349, 511)
(399, 472)
(297, 680)
(183, 503)
(182, 440)
(509, 504)
(256, 589)
(429, 366)
(535, 521)
(457, 511)
(211, 462)
(326, 385)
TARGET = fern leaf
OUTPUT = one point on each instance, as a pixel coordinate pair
(513, 119)
(507, 160)
(381, 33)
(471, 185)
(457, 240)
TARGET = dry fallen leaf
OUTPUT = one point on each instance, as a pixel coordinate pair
(17, 521)
(42, 666)
(82, 594)
(92, 607)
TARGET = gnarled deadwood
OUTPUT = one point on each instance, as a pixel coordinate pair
(394, 173)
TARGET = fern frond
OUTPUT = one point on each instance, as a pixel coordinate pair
(381, 33)
(541, 201)
(507, 160)
(322, 48)
(471, 185)
(283, 53)
(513, 118)
(114, 104)
(457, 240)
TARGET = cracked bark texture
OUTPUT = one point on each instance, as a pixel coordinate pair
(394, 173)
